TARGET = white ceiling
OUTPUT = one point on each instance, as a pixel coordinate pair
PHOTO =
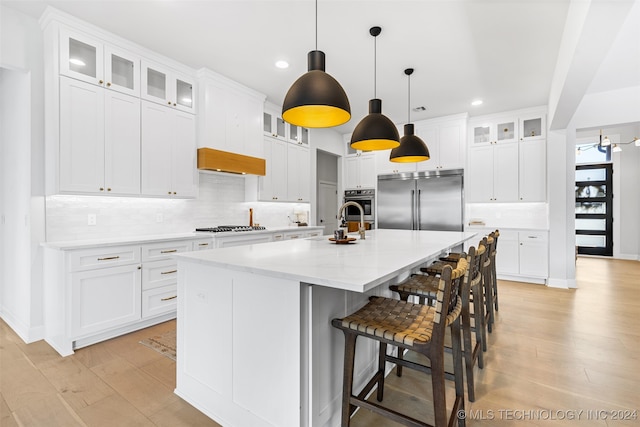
(502, 51)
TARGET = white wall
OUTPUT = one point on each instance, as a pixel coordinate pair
(21, 51)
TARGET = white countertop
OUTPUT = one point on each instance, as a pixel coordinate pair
(134, 240)
(358, 266)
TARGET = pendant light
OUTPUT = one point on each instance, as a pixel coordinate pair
(316, 100)
(375, 131)
(412, 149)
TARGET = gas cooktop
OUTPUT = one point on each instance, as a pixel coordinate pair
(224, 228)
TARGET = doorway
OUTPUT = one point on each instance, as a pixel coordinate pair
(327, 191)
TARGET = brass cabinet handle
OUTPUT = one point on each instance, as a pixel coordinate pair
(169, 251)
(109, 258)
(203, 244)
(169, 272)
(169, 298)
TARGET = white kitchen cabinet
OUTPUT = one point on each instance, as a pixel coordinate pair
(165, 86)
(445, 142)
(298, 175)
(501, 130)
(99, 140)
(202, 244)
(104, 298)
(273, 123)
(532, 170)
(93, 61)
(98, 292)
(230, 116)
(360, 171)
(242, 239)
(533, 127)
(492, 173)
(522, 255)
(298, 135)
(168, 152)
(273, 186)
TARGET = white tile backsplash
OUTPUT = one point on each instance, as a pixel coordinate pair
(509, 215)
(220, 202)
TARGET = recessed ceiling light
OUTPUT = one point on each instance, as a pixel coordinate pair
(282, 64)
(476, 102)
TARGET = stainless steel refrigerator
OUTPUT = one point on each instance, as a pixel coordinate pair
(430, 200)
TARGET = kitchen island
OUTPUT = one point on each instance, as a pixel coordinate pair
(255, 344)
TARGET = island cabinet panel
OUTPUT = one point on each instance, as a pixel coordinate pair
(235, 335)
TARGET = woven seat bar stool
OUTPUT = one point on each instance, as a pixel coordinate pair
(426, 287)
(494, 278)
(409, 326)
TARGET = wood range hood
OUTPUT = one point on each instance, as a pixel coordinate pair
(224, 161)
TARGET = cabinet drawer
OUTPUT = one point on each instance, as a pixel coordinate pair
(292, 236)
(313, 233)
(164, 250)
(203, 244)
(103, 257)
(532, 236)
(156, 274)
(159, 301)
(278, 236)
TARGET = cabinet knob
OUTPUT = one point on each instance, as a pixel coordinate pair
(108, 189)
(168, 192)
(139, 267)
(108, 84)
(100, 81)
(174, 104)
(168, 102)
(175, 192)
(101, 189)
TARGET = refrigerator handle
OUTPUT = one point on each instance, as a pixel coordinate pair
(418, 211)
(413, 210)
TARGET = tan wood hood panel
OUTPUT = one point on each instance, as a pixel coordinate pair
(223, 161)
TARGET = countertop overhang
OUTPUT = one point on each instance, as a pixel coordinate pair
(358, 266)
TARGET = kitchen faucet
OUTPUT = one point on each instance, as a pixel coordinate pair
(361, 226)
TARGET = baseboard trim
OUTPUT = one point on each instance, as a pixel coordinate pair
(26, 333)
(561, 283)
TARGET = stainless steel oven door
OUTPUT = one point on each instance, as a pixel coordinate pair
(366, 199)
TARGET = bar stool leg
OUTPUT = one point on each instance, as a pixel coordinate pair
(478, 314)
(437, 384)
(457, 369)
(347, 379)
(468, 348)
(382, 356)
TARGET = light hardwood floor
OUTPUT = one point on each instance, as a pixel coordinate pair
(553, 352)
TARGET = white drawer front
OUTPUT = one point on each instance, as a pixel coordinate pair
(532, 236)
(164, 250)
(203, 244)
(159, 301)
(313, 233)
(156, 274)
(89, 259)
(292, 236)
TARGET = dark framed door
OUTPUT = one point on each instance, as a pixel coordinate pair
(594, 209)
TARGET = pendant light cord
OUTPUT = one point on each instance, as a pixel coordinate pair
(375, 65)
(409, 100)
(316, 24)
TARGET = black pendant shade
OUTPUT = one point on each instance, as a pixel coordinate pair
(316, 100)
(375, 131)
(412, 149)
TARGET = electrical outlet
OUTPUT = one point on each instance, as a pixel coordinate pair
(159, 217)
(91, 219)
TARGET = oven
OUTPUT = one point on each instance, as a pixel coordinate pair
(366, 199)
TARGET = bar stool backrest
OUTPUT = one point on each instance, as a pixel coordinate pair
(448, 304)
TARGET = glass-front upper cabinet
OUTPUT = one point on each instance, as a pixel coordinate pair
(90, 60)
(298, 134)
(165, 86)
(495, 132)
(274, 125)
(532, 127)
